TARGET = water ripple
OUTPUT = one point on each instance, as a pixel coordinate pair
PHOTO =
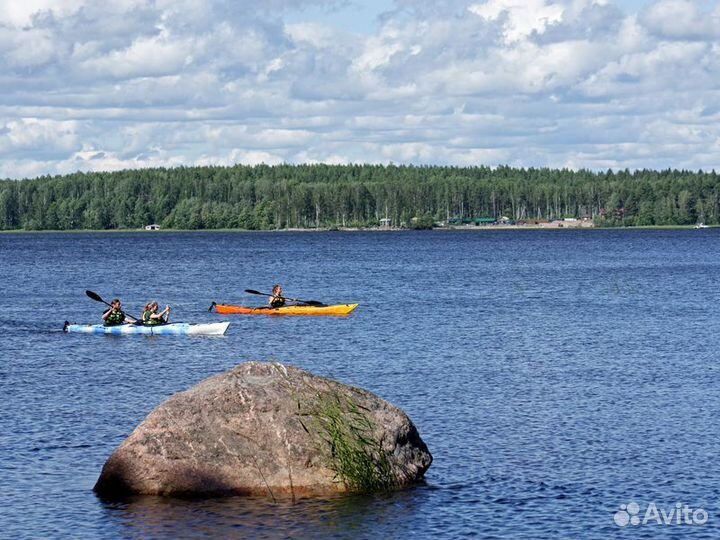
(554, 377)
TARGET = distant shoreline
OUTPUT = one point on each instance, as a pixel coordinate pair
(481, 228)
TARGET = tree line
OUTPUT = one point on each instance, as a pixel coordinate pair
(266, 197)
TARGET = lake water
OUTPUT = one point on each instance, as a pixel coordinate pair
(554, 375)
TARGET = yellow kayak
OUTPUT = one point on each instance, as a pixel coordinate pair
(337, 309)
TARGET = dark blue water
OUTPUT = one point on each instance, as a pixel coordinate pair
(554, 375)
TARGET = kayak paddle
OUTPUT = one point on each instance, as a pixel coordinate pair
(95, 296)
(306, 302)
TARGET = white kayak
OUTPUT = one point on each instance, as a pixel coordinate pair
(186, 329)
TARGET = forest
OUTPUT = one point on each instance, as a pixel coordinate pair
(264, 197)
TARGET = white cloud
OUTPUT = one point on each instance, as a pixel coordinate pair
(681, 19)
(316, 35)
(250, 157)
(378, 52)
(146, 57)
(21, 14)
(519, 18)
(136, 83)
(89, 159)
(27, 48)
(38, 135)
(667, 69)
(324, 158)
(223, 136)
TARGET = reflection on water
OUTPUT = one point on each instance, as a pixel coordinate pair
(248, 517)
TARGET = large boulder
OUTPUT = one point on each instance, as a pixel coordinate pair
(267, 429)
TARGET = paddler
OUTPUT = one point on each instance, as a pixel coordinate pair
(151, 316)
(115, 315)
(277, 299)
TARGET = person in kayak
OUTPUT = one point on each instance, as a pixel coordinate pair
(115, 315)
(151, 316)
(277, 299)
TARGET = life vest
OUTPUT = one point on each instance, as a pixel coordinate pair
(115, 318)
(148, 320)
(277, 301)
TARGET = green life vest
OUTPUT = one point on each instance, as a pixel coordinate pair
(115, 318)
(149, 320)
(277, 302)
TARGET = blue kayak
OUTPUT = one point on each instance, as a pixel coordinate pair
(187, 329)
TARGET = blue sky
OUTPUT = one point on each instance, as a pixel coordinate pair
(591, 84)
(362, 15)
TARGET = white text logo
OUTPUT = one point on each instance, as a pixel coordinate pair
(680, 514)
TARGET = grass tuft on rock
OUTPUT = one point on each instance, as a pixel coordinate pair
(356, 457)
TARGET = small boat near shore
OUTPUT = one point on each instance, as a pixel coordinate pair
(702, 226)
(183, 329)
(333, 310)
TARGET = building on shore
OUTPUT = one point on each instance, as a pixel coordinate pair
(472, 221)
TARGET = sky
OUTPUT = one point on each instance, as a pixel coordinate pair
(578, 84)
